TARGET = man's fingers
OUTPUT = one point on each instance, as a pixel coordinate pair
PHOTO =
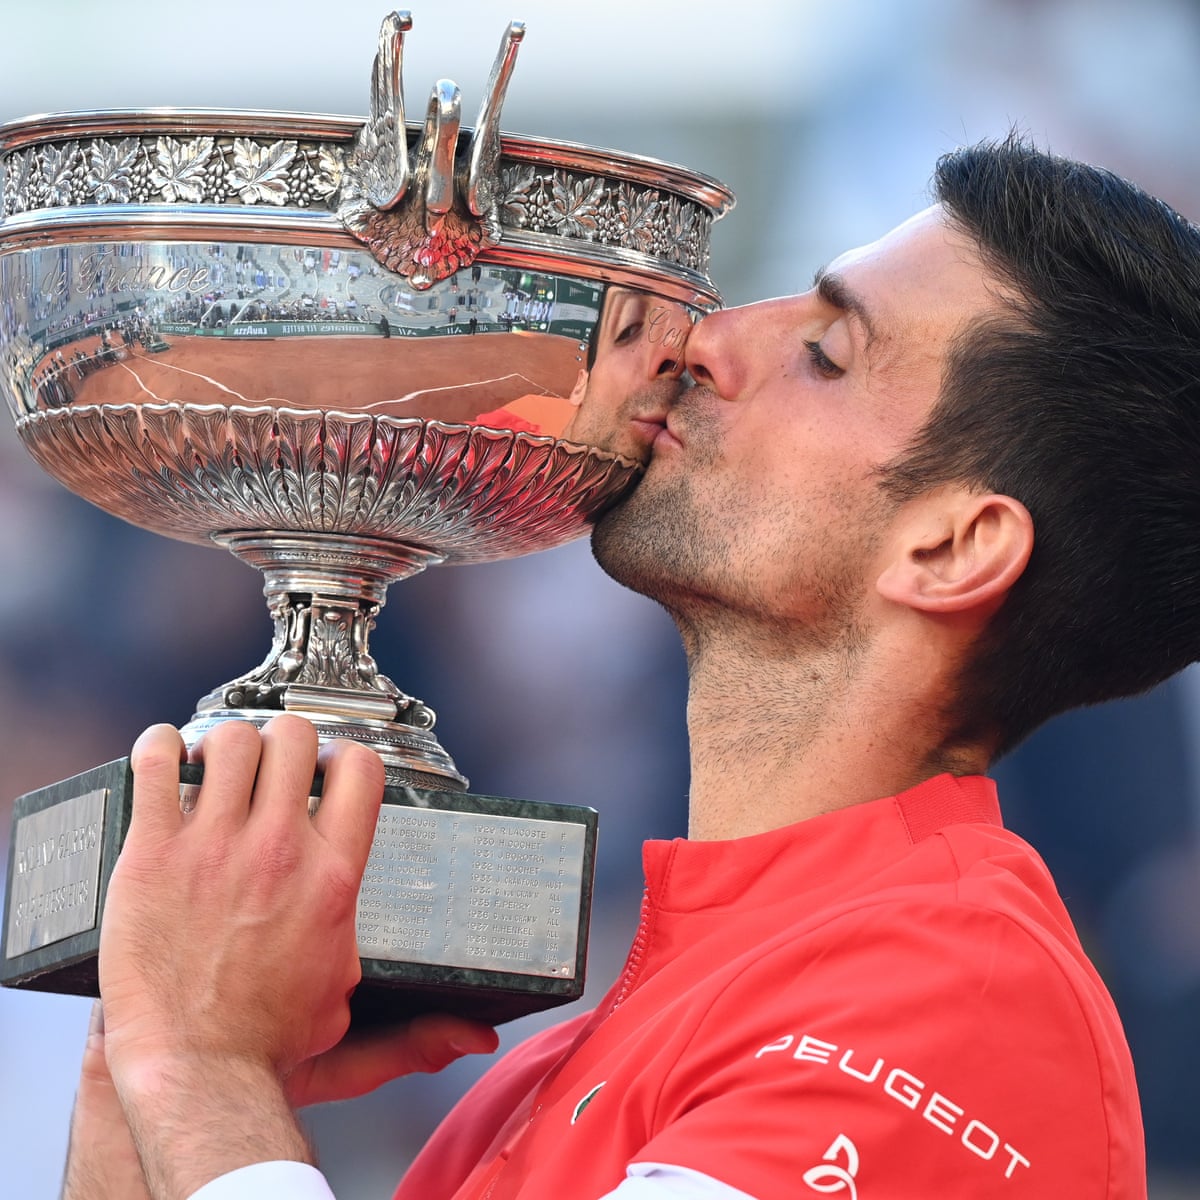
(96, 1019)
(285, 772)
(230, 753)
(350, 799)
(155, 762)
(433, 1035)
(365, 1060)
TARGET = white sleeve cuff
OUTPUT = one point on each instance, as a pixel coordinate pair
(268, 1181)
(663, 1181)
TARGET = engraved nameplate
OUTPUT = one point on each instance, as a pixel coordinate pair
(472, 890)
(56, 872)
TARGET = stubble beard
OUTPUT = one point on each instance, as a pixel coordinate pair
(683, 550)
(656, 541)
(649, 543)
(664, 542)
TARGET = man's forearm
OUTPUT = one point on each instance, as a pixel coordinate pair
(102, 1162)
(193, 1120)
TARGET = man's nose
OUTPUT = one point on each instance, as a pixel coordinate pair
(666, 338)
(710, 357)
(664, 365)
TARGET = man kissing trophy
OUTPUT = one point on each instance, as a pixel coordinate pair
(344, 351)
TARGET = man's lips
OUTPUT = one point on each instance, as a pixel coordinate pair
(665, 437)
(649, 427)
(669, 422)
(653, 432)
(652, 422)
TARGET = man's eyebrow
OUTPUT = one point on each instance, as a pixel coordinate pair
(832, 288)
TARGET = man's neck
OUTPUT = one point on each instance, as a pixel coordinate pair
(779, 736)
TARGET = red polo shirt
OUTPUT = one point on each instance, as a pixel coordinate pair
(888, 1001)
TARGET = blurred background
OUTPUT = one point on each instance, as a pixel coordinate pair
(551, 683)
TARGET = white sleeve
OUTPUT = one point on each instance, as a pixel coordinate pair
(662, 1181)
(299, 1181)
(268, 1181)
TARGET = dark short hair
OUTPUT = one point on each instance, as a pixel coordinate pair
(1081, 399)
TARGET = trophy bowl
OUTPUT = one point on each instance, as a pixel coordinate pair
(345, 351)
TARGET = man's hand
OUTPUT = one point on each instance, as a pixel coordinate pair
(229, 930)
(365, 1060)
(228, 951)
(103, 1163)
(227, 956)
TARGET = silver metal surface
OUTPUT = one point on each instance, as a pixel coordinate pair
(184, 171)
(345, 350)
(56, 873)
(460, 889)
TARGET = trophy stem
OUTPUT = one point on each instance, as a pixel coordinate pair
(324, 592)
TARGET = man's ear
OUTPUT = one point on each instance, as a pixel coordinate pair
(957, 551)
(580, 389)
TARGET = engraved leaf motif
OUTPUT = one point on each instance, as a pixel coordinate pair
(347, 448)
(577, 201)
(260, 172)
(179, 169)
(328, 172)
(57, 164)
(110, 175)
(330, 657)
(300, 436)
(685, 231)
(254, 435)
(639, 211)
(522, 202)
(666, 228)
(18, 172)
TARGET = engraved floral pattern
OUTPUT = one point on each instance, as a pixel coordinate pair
(615, 213)
(182, 470)
(689, 232)
(330, 657)
(526, 201)
(328, 172)
(579, 201)
(637, 212)
(666, 232)
(110, 172)
(179, 168)
(18, 179)
(259, 172)
(58, 166)
(540, 199)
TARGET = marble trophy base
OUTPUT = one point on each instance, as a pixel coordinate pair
(476, 905)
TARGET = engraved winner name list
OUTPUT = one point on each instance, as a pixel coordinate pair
(473, 890)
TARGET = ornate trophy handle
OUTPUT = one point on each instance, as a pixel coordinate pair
(381, 152)
(428, 221)
(483, 157)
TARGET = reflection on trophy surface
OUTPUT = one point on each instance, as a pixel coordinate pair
(345, 352)
(634, 358)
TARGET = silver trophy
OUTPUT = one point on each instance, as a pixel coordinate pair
(345, 352)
